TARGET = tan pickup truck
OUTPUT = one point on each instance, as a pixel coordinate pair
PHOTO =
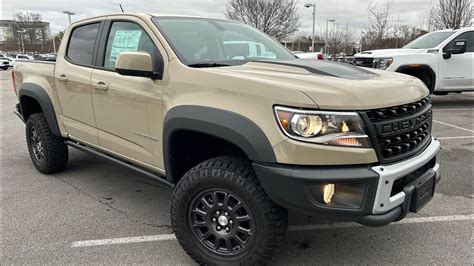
(239, 127)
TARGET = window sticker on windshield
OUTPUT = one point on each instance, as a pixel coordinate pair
(125, 41)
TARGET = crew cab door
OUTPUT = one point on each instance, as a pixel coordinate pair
(456, 73)
(72, 80)
(128, 109)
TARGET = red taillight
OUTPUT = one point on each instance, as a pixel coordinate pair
(320, 57)
(13, 79)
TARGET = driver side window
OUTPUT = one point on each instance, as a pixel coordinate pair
(129, 37)
(468, 36)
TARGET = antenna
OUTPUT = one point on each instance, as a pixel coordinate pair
(121, 8)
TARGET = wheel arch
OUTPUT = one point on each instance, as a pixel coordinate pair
(32, 97)
(416, 70)
(234, 131)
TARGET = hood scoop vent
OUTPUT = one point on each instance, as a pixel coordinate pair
(331, 69)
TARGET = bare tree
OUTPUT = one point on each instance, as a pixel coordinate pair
(379, 23)
(335, 40)
(348, 38)
(447, 14)
(277, 18)
(29, 22)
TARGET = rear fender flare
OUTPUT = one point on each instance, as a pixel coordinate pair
(39, 94)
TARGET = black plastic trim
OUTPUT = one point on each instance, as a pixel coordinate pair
(18, 113)
(331, 69)
(110, 158)
(218, 123)
(372, 132)
(39, 94)
(287, 185)
(381, 219)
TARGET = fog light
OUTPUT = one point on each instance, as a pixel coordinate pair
(349, 195)
(329, 190)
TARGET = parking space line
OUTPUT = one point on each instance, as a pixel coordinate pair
(123, 240)
(460, 137)
(298, 228)
(446, 124)
(455, 109)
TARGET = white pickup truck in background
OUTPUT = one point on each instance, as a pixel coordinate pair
(443, 60)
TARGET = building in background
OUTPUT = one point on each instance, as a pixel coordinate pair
(23, 36)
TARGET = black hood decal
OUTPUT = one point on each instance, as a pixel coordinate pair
(332, 69)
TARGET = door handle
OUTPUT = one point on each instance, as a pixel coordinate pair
(62, 78)
(101, 86)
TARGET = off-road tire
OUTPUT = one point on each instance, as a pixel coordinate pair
(236, 176)
(54, 152)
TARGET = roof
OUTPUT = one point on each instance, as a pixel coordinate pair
(143, 15)
(449, 30)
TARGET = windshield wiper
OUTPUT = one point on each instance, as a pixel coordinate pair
(197, 65)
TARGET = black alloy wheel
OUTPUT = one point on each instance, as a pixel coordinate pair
(221, 221)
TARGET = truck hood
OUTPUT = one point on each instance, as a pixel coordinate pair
(387, 52)
(333, 86)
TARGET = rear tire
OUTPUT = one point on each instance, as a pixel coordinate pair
(210, 224)
(48, 152)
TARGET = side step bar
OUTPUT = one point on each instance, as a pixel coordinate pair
(97, 153)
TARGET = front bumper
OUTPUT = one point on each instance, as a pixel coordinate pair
(386, 195)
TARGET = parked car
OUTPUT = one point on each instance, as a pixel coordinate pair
(20, 57)
(24, 57)
(5, 62)
(246, 49)
(240, 141)
(313, 56)
(443, 60)
(51, 57)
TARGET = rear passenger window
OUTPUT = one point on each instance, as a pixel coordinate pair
(129, 37)
(81, 44)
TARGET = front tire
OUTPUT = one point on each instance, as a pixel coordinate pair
(221, 214)
(48, 152)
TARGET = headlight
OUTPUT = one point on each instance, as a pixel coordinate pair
(322, 127)
(383, 63)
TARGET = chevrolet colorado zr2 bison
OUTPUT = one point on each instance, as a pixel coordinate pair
(239, 127)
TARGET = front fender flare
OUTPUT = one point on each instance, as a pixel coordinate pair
(229, 126)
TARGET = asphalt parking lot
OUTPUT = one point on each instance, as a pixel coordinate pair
(100, 213)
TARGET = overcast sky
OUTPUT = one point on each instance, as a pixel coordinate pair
(354, 12)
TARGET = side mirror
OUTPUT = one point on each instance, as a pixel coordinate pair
(138, 64)
(459, 47)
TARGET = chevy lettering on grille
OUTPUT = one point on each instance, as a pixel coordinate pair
(403, 125)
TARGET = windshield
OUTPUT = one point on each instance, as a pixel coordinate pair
(429, 40)
(212, 42)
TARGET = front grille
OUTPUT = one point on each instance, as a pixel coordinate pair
(400, 184)
(401, 131)
(364, 62)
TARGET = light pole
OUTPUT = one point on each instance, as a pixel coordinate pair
(69, 14)
(54, 44)
(42, 45)
(327, 37)
(21, 32)
(314, 22)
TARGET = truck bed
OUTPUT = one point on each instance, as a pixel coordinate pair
(38, 72)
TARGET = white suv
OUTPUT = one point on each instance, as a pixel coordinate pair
(443, 60)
